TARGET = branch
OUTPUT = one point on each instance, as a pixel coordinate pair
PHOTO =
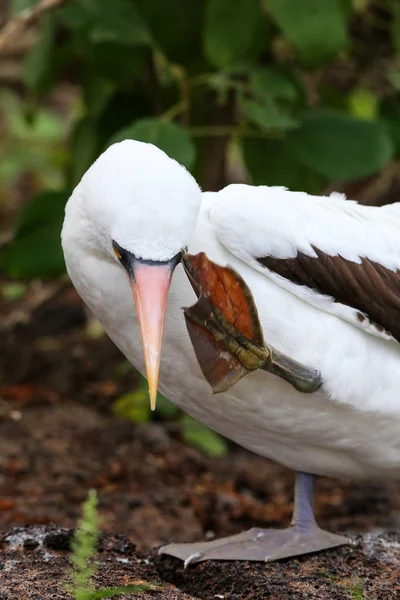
(16, 26)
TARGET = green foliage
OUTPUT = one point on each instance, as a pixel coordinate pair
(118, 21)
(35, 250)
(84, 142)
(198, 77)
(177, 26)
(315, 28)
(170, 137)
(35, 148)
(270, 162)
(84, 548)
(135, 407)
(363, 104)
(339, 147)
(229, 30)
(201, 437)
(390, 116)
(38, 70)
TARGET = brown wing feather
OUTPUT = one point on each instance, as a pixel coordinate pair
(369, 287)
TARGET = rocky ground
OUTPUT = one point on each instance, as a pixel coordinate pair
(34, 565)
(59, 438)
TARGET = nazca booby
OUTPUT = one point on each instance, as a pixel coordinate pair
(324, 274)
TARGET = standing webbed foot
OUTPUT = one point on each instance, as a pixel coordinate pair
(302, 537)
(258, 544)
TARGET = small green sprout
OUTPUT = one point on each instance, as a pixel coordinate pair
(84, 547)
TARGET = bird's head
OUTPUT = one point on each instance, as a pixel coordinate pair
(144, 206)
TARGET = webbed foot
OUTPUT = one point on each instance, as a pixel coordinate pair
(258, 544)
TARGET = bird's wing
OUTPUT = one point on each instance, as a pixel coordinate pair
(339, 256)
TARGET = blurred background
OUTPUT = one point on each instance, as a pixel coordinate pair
(303, 94)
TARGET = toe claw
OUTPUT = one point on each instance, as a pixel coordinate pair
(192, 559)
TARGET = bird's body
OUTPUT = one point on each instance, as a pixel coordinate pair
(351, 426)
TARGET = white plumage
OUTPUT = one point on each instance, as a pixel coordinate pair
(151, 206)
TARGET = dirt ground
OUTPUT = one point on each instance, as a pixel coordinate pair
(59, 438)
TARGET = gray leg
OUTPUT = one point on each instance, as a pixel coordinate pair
(302, 537)
(303, 511)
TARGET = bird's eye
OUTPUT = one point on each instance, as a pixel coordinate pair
(117, 253)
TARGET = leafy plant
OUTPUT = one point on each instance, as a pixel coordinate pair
(84, 548)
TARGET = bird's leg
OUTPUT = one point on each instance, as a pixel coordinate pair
(302, 537)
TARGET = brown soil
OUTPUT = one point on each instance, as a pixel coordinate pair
(34, 564)
(58, 438)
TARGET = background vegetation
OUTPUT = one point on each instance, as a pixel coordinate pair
(303, 94)
(275, 92)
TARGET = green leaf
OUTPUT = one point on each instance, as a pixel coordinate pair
(177, 27)
(38, 68)
(269, 162)
(363, 103)
(347, 5)
(117, 21)
(315, 28)
(35, 250)
(267, 115)
(170, 137)
(229, 30)
(201, 437)
(270, 82)
(274, 92)
(97, 92)
(340, 147)
(115, 63)
(83, 149)
(134, 406)
(390, 115)
(76, 17)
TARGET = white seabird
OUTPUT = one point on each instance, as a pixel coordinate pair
(324, 273)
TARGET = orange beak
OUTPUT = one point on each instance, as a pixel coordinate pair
(150, 285)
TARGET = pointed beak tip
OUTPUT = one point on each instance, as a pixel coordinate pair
(153, 400)
(150, 289)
